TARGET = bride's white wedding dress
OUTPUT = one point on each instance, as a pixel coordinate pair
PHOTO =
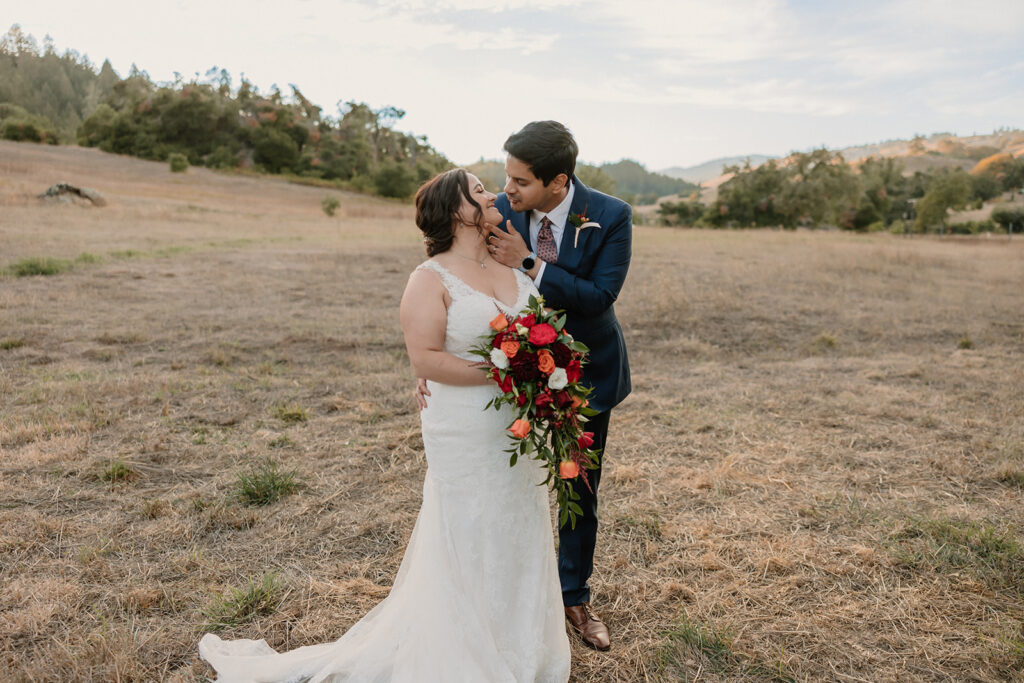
(477, 596)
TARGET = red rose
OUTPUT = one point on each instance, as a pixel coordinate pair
(542, 399)
(563, 400)
(542, 334)
(521, 400)
(506, 384)
(527, 320)
(498, 340)
(573, 371)
(585, 440)
(562, 355)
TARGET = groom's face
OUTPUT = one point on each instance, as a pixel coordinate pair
(527, 192)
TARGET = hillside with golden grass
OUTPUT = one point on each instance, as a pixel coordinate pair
(206, 423)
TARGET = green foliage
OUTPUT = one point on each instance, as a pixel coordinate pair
(680, 213)
(330, 205)
(274, 149)
(178, 162)
(49, 98)
(39, 266)
(291, 413)
(1010, 218)
(394, 179)
(596, 178)
(257, 598)
(54, 92)
(266, 484)
(116, 471)
(950, 190)
(11, 343)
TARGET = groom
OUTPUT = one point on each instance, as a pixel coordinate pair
(579, 268)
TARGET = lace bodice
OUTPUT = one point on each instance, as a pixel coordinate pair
(471, 310)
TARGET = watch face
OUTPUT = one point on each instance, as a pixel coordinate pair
(528, 262)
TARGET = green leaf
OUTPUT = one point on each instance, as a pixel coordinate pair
(512, 461)
(579, 346)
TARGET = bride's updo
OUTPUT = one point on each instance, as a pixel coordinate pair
(438, 203)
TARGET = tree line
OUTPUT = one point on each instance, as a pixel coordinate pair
(49, 98)
(820, 188)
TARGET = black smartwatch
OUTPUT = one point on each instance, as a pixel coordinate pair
(528, 262)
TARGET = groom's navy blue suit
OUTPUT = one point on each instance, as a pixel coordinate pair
(585, 281)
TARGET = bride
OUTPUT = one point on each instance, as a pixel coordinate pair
(476, 597)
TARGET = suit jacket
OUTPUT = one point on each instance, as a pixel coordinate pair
(585, 281)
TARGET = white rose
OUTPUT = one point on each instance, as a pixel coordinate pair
(558, 379)
(499, 359)
(523, 330)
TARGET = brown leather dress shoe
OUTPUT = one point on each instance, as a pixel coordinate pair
(590, 628)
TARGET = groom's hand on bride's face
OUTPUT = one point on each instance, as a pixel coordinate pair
(507, 246)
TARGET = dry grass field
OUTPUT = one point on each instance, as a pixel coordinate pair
(819, 475)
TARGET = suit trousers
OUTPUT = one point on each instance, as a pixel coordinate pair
(576, 546)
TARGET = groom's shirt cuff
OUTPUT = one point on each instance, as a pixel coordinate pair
(540, 273)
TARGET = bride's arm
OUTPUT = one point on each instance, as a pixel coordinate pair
(424, 319)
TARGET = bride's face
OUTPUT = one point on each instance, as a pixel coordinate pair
(485, 199)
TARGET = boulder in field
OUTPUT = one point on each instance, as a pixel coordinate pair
(63, 192)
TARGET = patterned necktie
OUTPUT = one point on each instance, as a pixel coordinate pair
(546, 248)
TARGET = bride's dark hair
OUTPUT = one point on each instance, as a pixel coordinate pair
(438, 203)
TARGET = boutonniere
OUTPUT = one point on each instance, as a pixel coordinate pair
(581, 222)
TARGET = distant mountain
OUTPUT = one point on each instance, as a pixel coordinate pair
(625, 179)
(635, 183)
(712, 169)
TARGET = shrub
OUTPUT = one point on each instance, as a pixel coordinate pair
(393, 179)
(330, 205)
(178, 162)
(274, 150)
(1010, 218)
(39, 266)
(222, 157)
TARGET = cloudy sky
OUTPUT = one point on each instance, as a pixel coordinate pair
(665, 82)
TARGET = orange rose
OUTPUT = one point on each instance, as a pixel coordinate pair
(499, 323)
(545, 361)
(568, 469)
(577, 401)
(520, 429)
(510, 348)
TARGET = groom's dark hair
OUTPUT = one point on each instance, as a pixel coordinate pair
(547, 147)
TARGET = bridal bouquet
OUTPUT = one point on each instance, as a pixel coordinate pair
(538, 367)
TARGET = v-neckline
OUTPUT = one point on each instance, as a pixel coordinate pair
(519, 288)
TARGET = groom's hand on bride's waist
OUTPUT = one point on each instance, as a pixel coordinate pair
(421, 393)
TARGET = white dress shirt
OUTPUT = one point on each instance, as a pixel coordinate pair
(558, 216)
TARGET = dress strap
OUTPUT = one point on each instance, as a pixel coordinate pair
(456, 287)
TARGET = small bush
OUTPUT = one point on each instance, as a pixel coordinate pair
(291, 413)
(9, 343)
(178, 162)
(86, 258)
(39, 266)
(965, 342)
(266, 484)
(257, 598)
(330, 205)
(116, 471)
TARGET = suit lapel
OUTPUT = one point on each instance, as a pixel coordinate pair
(569, 253)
